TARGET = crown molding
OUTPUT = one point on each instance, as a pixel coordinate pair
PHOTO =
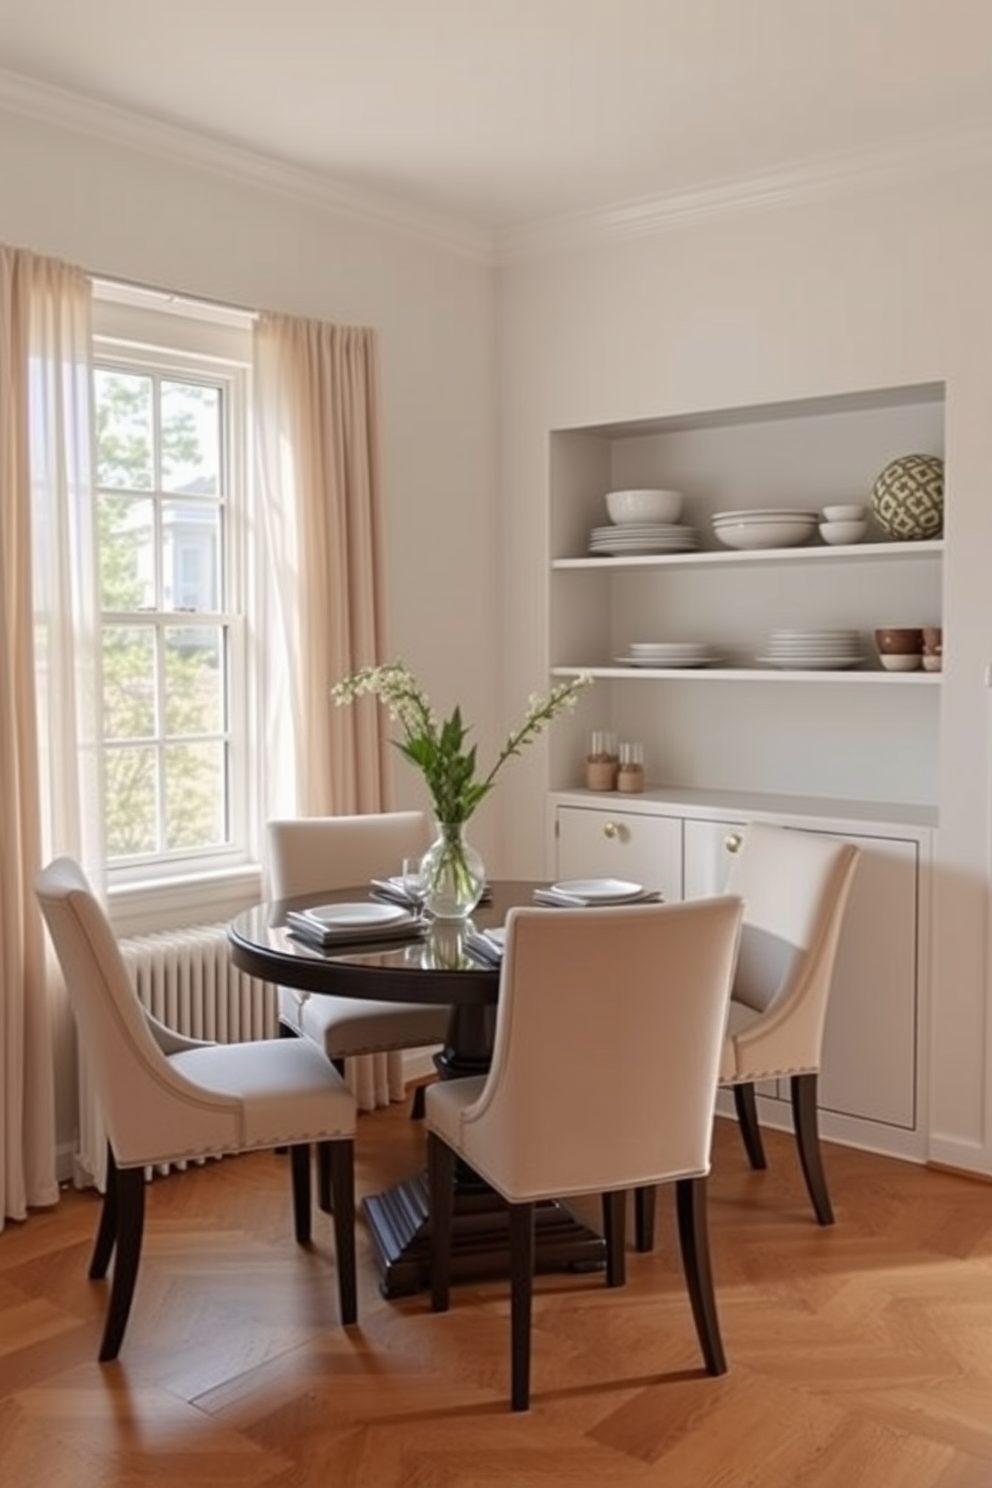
(791, 185)
(44, 103)
(810, 181)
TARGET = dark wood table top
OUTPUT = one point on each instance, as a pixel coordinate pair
(432, 968)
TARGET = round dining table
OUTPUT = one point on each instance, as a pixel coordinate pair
(433, 965)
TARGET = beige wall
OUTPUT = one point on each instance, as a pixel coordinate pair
(121, 214)
(877, 289)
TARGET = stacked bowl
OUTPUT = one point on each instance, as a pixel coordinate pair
(643, 521)
(773, 527)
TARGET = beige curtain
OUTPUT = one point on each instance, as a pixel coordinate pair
(49, 767)
(321, 534)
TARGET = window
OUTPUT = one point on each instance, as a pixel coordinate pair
(170, 481)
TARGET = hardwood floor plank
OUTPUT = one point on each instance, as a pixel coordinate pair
(860, 1356)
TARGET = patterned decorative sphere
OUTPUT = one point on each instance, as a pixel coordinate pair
(907, 499)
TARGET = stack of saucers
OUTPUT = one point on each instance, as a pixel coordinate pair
(619, 540)
(813, 650)
(669, 654)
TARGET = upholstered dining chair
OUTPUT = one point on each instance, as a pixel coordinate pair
(308, 854)
(795, 886)
(166, 1098)
(627, 1006)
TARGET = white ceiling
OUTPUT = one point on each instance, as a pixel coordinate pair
(499, 114)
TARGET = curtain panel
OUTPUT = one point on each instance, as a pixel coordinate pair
(49, 688)
(320, 524)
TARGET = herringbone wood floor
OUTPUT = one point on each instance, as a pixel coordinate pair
(860, 1355)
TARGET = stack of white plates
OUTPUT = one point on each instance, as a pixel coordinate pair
(669, 654)
(643, 537)
(813, 650)
(773, 527)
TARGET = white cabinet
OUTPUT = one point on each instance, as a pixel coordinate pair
(633, 845)
(871, 1088)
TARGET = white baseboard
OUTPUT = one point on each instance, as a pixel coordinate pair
(418, 1064)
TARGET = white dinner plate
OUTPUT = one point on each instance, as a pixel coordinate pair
(356, 916)
(668, 663)
(811, 663)
(600, 890)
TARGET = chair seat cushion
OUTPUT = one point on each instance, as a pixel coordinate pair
(345, 1026)
(289, 1090)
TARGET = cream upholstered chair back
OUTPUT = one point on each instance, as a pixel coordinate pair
(795, 887)
(603, 1078)
(607, 1047)
(151, 1111)
(364, 1039)
(307, 854)
(165, 1097)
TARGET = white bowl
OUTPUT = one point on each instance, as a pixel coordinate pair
(843, 513)
(763, 534)
(843, 532)
(644, 506)
(894, 661)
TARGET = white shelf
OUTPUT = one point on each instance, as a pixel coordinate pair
(751, 674)
(724, 557)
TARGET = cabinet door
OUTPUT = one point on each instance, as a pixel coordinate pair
(598, 843)
(869, 1046)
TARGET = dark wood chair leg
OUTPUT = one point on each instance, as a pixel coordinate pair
(325, 1182)
(106, 1235)
(645, 1203)
(299, 1158)
(419, 1103)
(441, 1182)
(806, 1122)
(615, 1234)
(285, 1031)
(746, 1107)
(690, 1200)
(521, 1298)
(342, 1162)
(129, 1184)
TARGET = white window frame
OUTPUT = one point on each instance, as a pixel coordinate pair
(136, 329)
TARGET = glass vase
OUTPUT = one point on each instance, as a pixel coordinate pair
(454, 876)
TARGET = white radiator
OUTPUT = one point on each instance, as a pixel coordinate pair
(186, 979)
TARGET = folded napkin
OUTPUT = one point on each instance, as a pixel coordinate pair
(394, 891)
(307, 925)
(486, 945)
(562, 899)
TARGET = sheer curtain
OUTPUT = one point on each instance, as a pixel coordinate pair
(49, 767)
(323, 604)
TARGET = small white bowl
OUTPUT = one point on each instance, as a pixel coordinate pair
(900, 662)
(644, 506)
(843, 513)
(843, 532)
(762, 534)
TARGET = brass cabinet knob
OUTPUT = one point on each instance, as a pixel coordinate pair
(732, 842)
(611, 830)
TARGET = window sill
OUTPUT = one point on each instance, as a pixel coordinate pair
(200, 899)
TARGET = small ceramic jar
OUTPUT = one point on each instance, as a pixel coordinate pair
(630, 774)
(602, 762)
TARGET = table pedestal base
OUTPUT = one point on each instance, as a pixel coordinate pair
(399, 1223)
